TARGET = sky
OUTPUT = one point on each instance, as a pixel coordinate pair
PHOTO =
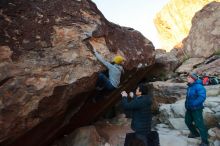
(137, 14)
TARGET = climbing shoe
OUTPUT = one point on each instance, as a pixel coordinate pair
(193, 136)
(203, 144)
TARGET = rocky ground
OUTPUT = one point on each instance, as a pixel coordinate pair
(169, 123)
(173, 130)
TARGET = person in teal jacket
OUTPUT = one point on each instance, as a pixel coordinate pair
(140, 107)
(195, 97)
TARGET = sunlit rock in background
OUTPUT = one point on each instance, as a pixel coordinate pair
(173, 22)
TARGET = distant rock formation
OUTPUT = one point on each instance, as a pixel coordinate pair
(204, 35)
(173, 22)
(200, 51)
(47, 69)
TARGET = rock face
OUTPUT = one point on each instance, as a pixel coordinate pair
(165, 92)
(173, 22)
(201, 66)
(210, 68)
(204, 36)
(47, 69)
(189, 65)
(165, 64)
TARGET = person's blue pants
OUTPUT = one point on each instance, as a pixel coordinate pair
(104, 82)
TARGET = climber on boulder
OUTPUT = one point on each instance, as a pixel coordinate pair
(115, 70)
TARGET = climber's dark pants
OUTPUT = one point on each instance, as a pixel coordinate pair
(104, 82)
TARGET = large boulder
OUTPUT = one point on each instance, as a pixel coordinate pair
(173, 22)
(47, 69)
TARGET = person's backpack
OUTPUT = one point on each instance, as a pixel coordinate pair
(214, 81)
(205, 80)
